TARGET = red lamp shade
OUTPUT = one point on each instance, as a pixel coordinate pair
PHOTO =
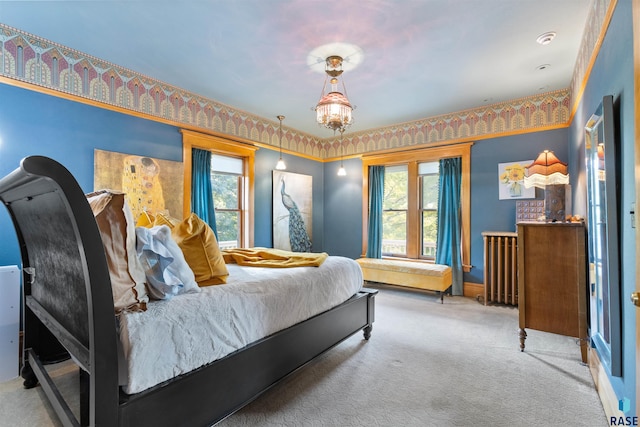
(547, 169)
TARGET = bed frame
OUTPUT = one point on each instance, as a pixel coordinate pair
(68, 310)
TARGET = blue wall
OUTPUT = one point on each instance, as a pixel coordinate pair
(343, 195)
(488, 213)
(612, 74)
(343, 209)
(265, 163)
(34, 123)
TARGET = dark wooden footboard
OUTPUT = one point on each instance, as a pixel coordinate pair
(69, 308)
(67, 289)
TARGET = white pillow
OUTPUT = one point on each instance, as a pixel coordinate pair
(167, 272)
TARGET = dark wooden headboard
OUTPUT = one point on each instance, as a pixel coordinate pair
(65, 275)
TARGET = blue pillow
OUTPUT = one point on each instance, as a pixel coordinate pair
(166, 270)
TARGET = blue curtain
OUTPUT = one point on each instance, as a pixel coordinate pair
(201, 188)
(376, 196)
(448, 247)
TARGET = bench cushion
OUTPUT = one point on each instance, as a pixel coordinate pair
(434, 277)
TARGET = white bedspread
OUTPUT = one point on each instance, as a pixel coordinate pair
(188, 331)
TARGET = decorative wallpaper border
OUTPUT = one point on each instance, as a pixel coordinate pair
(595, 28)
(535, 113)
(36, 61)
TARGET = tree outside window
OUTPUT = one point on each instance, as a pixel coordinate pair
(226, 180)
(394, 210)
(429, 193)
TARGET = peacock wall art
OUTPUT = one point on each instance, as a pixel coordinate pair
(292, 207)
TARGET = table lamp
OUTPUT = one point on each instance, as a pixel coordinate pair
(550, 174)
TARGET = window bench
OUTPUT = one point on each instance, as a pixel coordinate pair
(432, 277)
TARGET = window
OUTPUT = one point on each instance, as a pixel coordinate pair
(226, 180)
(394, 211)
(410, 206)
(232, 175)
(429, 177)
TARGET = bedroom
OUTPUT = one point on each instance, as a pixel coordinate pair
(70, 131)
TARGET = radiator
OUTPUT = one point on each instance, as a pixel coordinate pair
(500, 267)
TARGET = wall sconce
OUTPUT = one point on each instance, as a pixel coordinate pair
(550, 174)
(280, 165)
(341, 171)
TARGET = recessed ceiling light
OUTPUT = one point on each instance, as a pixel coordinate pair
(546, 38)
(543, 67)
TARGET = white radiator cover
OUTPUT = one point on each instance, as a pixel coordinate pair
(9, 321)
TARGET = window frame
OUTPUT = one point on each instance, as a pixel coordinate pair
(239, 203)
(223, 147)
(412, 158)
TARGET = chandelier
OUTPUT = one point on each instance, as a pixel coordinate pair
(334, 110)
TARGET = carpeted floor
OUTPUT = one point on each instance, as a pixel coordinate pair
(427, 364)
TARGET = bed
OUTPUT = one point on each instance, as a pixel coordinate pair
(69, 312)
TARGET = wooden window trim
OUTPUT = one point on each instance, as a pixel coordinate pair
(227, 147)
(414, 157)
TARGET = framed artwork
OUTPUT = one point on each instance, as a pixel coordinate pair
(151, 185)
(511, 181)
(292, 207)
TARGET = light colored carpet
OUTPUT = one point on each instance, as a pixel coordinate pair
(427, 364)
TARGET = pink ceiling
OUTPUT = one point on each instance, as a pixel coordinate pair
(421, 58)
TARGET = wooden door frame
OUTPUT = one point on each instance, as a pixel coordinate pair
(636, 78)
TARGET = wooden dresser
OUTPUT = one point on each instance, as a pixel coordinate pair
(552, 280)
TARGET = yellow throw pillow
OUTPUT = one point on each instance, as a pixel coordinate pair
(145, 220)
(148, 220)
(162, 219)
(200, 248)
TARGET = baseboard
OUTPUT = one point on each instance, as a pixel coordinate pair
(473, 290)
(603, 386)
